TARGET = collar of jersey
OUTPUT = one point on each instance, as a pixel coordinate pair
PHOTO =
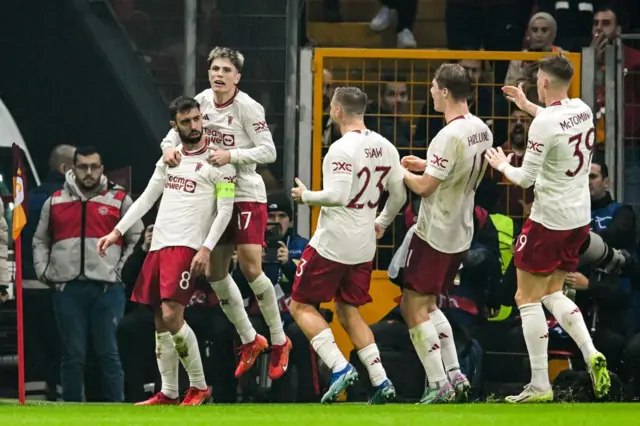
(198, 152)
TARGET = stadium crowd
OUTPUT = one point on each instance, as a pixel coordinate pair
(101, 345)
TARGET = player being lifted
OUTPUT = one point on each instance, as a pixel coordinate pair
(558, 160)
(453, 169)
(337, 263)
(184, 234)
(235, 125)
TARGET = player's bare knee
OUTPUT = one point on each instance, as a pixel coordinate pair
(250, 260)
(172, 316)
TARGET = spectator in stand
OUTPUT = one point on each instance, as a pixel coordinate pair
(407, 10)
(513, 200)
(385, 115)
(41, 338)
(606, 30)
(330, 132)
(541, 34)
(89, 300)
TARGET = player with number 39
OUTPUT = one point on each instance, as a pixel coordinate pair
(337, 263)
(557, 160)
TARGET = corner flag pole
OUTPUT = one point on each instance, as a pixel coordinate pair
(19, 221)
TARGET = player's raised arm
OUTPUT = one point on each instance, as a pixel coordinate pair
(138, 209)
(225, 194)
(255, 124)
(518, 97)
(526, 175)
(441, 160)
(397, 194)
(338, 175)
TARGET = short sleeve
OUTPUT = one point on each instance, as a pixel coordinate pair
(441, 156)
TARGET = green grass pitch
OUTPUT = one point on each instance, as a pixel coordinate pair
(333, 415)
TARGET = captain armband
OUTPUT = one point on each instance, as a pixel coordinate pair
(225, 190)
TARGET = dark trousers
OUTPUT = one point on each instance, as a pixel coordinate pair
(492, 28)
(86, 309)
(41, 340)
(406, 10)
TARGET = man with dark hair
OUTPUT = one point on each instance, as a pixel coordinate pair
(615, 222)
(195, 210)
(236, 129)
(337, 263)
(450, 175)
(89, 300)
(558, 159)
(384, 116)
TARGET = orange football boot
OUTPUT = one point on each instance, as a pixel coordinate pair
(249, 353)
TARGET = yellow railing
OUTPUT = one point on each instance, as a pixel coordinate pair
(366, 69)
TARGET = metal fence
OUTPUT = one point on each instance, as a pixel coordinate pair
(397, 83)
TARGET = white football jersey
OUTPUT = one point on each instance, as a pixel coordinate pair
(369, 163)
(456, 157)
(559, 148)
(238, 125)
(188, 204)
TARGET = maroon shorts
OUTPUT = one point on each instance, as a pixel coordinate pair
(248, 224)
(165, 275)
(429, 271)
(539, 250)
(321, 280)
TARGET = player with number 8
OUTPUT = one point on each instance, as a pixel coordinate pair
(557, 160)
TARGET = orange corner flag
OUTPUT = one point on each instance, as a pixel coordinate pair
(19, 187)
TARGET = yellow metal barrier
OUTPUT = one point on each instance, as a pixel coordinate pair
(367, 68)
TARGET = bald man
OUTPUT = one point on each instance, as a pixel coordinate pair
(40, 332)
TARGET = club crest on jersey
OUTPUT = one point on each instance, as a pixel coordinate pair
(198, 166)
(439, 162)
(535, 146)
(103, 210)
(229, 120)
(260, 126)
(342, 168)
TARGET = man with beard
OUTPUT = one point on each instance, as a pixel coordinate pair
(514, 201)
(89, 300)
(236, 129)
(196, 207)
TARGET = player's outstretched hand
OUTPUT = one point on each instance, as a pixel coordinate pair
(296, 192)
(496, 158)
(200, 263)
(516, 95)
(107, 241)
(171, 157)
(413, 163)
(219, 157)
(379, 231)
